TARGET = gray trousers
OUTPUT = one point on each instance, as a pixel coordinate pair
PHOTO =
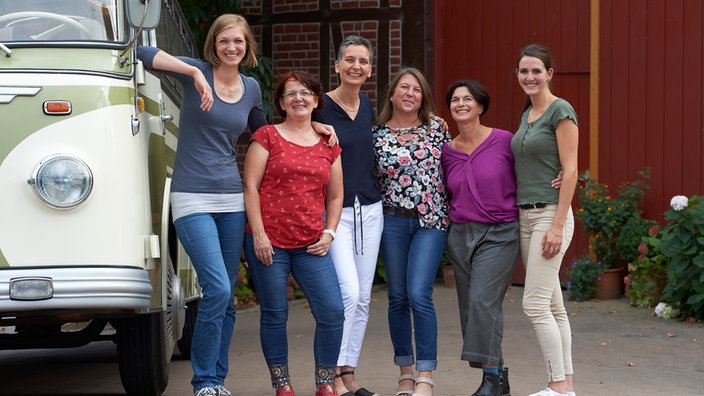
(484, 257)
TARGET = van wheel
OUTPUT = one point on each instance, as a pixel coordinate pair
(184, 344)
(145, 343)
(144, 369)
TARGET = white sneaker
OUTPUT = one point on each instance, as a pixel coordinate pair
(549, 392)
(222, 391)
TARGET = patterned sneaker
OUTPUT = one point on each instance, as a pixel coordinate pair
(222, 391)
(326, 390)
(207, 391)
(285, 390)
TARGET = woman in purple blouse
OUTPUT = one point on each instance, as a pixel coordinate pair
(482, 241)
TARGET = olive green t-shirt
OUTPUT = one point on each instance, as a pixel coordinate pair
(534, 147)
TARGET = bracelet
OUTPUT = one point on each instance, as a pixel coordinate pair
(556, 234)
(329, 232)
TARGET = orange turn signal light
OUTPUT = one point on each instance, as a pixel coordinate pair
(57, 107)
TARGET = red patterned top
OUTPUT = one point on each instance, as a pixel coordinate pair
(292, 191)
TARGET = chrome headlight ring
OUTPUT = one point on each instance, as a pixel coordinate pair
(62, 181)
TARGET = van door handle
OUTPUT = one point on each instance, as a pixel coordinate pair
(167, 117)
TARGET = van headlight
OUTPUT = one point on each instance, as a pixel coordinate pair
(61, 181)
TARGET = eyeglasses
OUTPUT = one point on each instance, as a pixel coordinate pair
(305, 93)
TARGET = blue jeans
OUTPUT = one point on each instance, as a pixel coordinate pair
(411, 255)
(317, 279)
(213, 241)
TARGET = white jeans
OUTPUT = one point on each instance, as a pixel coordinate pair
(354, 252)
(542, 296)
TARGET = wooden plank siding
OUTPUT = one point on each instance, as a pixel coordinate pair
(651, 88)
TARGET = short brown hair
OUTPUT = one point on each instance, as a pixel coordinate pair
(308, 80)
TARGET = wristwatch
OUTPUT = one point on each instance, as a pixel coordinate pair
(329, 232)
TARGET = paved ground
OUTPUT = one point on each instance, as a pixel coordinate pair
(618, 350)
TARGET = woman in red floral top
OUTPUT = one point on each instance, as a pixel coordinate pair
(293, 197)
(408, 145)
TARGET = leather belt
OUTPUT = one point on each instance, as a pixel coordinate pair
(401, 211)
(538, 205)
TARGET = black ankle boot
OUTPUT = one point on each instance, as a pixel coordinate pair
(490, 386)
(503, 380)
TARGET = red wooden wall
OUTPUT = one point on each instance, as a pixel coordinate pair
(651, 94)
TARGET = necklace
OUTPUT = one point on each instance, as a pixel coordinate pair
(337, 98)
(407, 135)
(537, 114)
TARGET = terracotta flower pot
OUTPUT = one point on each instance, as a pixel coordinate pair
(608, 286)
(448, 276)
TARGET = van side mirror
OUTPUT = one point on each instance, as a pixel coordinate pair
(143, 13)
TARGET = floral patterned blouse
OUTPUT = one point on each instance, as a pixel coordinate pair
(409, 171)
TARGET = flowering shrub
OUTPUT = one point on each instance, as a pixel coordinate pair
(603, 216)
(583, 276)
(648, 273)
(683, 242)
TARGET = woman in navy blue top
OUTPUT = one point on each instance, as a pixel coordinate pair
(356, 246)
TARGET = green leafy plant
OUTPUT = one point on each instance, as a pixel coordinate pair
(244, 293)
(603, 216)
(683, 242)
(630, 237)
(648, 273)
(583, 276)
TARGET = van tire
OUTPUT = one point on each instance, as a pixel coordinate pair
(145, 343)
(184, 344)
(144, 369)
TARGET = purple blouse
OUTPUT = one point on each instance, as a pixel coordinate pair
(481, 186)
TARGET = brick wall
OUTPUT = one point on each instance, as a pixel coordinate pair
(290, 34)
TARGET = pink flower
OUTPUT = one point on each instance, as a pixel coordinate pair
(404, 160)
(405, 180)
(654, 230)
(420, 154)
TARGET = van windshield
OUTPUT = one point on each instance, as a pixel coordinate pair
(61, 20)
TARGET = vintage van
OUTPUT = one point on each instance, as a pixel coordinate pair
(87, 144)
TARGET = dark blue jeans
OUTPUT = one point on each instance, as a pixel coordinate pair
(411, 255)
(317, 279)
(213, 241)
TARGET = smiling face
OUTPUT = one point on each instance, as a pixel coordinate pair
(532, 75)
(355, 65)
(408, 95)
(463, 106)
(297, 100)
(231, 46)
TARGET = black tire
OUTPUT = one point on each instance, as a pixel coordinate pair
(184, 344)
(145, 344)
(144, 369)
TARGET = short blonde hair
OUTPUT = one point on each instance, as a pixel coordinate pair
(224, 22)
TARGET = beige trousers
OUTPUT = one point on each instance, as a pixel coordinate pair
(542, 296)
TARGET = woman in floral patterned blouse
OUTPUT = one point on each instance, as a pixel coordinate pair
(408, 145)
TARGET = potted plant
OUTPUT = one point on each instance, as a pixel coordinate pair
(448, 271)
(583, 277)
(604, 217)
